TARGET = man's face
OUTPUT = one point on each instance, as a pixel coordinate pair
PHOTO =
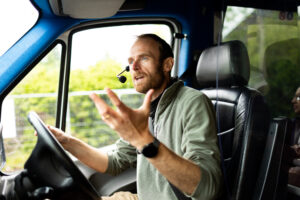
(295, 102)
(145, 66)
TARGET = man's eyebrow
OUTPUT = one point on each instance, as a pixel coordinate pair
(146, 54)
(141, 55)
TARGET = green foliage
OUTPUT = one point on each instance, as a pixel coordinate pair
(283, 79)
(98, 77)
(273, 48)
(84, 121)
(83, 114)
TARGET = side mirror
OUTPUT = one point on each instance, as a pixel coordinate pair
(2, 151)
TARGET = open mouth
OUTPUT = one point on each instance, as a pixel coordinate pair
(138, 78)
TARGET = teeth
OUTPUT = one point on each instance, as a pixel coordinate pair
(139, 77)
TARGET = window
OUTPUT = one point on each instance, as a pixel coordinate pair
(36, 92)
(15, 24)
(272, 40)
(98, 55)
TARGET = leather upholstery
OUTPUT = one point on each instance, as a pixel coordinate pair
(230, 60)
(242, 115)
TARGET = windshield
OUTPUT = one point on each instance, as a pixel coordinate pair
(272, 40)
(15, 24)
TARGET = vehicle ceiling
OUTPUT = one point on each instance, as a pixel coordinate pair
(287, 5)
(195, 16)
(167, 6)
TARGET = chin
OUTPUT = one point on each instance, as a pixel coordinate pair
(141, 89)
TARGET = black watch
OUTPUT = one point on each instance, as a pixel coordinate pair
(150, 150)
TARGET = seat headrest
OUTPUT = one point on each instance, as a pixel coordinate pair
(231, 61)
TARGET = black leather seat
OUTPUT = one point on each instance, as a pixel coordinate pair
(242, 114)
(273, 176)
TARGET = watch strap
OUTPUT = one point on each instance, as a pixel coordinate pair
(150, 150)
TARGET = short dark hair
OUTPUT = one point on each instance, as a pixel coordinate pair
(165, 49)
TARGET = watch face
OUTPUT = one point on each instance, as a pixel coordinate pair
(151, 149)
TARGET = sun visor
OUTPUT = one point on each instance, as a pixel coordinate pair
(82, 9)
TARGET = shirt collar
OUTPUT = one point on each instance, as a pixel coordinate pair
(154, 103)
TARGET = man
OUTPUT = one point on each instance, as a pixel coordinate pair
(294, 155)
(296, 107)
(178, 146)
(296, 101)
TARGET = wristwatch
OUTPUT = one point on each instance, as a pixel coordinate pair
(150, 150)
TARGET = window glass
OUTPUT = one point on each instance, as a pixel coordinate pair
(15, 24)
(36, 92)
(272, 40)
(98, 55)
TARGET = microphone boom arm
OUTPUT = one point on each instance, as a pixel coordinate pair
(122, 79)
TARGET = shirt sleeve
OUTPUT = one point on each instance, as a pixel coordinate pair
(199, 144)
(121, 158)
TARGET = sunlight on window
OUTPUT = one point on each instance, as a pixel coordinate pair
(272, 41)
(16, 18)
(106, 42)
(235, 16)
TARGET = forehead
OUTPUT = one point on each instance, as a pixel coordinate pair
(298, 91)
(145, 46)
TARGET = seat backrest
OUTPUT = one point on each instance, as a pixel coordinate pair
(273, 176)
(242, 115)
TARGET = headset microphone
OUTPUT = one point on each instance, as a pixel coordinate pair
(122, 79)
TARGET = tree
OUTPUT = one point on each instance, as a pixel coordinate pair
(43, 80)
(271, 38)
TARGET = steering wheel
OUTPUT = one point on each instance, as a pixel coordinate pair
(49, 165)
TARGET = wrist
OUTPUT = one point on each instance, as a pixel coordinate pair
(69, 142)
(143, 141)
(150, 150)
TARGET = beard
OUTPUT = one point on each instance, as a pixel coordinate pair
(150, 81)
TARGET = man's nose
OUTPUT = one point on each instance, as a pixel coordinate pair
(294, 100)
(135, 65)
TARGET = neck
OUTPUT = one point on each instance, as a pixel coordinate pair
(160, 90)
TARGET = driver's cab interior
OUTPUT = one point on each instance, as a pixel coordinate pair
(243, 55)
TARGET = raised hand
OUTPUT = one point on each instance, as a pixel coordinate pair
(130, 124)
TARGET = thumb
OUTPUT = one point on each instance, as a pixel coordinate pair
(147, 100)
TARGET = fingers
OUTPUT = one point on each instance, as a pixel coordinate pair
(55, 130)
(100, 104)
(106, 112)
(147, 100)
(61, 136)
(52, 129)
(115, 100)
(98, 101)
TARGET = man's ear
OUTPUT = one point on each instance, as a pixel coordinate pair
(168, 64)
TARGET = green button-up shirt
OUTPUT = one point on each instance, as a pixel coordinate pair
(185, 123)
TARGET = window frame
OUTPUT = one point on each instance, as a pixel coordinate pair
(68, 36)
(28, 69)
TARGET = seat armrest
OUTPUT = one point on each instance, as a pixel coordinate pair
(296, 162)
(292, 189)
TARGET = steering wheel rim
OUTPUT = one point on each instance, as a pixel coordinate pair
(47, 142)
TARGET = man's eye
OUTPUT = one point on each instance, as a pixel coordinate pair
(144, 58)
